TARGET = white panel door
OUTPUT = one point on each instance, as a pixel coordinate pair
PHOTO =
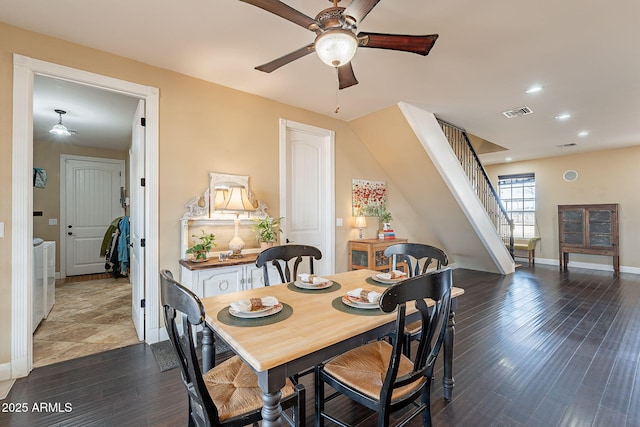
(137, 215)
(307, 189)
(92, 202)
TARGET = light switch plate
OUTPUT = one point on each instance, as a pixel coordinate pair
(1, 229)
(338, 222)
(53, 221)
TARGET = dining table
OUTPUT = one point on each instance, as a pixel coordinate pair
(311, 326)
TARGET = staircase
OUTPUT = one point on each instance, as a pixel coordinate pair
(425, 173)
(480, 182)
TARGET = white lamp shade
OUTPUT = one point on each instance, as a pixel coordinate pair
(336, 47)
(233, 198)
(361, 222)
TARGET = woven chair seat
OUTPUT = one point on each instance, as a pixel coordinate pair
(233, 387)
(413, 328)
(364, 368)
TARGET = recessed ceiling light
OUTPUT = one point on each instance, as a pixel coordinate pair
(508, 159)
(563, 116)
(534, 89)
(583, 133)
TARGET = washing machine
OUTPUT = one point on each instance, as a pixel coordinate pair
(43, 293)
(37, 288)
(49, 276)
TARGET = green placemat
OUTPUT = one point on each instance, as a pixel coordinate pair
(225, 317)
(331, 288)
(370, 281)
(340, 306)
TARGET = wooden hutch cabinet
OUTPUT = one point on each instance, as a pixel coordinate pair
(369, 253)
(588, 229)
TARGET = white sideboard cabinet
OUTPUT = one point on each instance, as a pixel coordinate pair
(214, 277)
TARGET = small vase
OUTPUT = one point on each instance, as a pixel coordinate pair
(386, 226)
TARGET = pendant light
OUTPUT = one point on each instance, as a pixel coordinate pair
(59, 128)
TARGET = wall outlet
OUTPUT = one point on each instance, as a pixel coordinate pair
(1, 229)
(53, 221)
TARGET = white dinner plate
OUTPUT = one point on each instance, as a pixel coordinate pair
(264, 312)
(377, 278)
(305, 285)
(359, 303)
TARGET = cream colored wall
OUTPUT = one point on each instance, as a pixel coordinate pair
(203, 127)
(606, 176)
(46, 155)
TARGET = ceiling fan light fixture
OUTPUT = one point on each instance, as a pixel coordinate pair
(336, 47)
(59, 128)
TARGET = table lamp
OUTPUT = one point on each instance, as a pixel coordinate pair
(361, 223)
(234, 198)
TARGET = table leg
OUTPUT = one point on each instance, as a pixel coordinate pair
(447, 380)
(271, 409)
(208, 349)
(271, 382)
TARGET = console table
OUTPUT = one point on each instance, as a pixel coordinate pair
(588, 229)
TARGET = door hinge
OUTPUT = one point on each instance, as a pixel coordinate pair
(143, 182)
(142, 243)
(143, 303)
(143, 121)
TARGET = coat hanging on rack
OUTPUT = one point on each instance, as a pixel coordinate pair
(115, 247)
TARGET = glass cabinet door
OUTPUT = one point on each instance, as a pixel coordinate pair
(573, 227)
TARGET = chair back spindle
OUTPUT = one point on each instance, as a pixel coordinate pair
(416, 253)
(286, 259)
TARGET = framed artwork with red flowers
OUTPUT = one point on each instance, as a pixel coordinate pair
(368, 198)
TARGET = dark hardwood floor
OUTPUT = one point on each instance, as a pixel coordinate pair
(536, 348)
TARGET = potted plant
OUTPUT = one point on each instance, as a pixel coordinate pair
(267, 230)
(385, 218)
(200, 249)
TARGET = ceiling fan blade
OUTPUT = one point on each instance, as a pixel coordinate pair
(346, 77)
(284, 60)
(360, 8)
(284, 11)
(406, 43)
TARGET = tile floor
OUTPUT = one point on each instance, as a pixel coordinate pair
(88, 317)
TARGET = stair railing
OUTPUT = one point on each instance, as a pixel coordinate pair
(470, 162)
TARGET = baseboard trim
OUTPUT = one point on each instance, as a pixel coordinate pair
(587, 265)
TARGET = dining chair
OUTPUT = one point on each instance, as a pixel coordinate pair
(419, 258)
(378, 375)
(228, 394)
(286, 259)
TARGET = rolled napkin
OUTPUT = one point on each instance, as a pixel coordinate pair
(254, 304)
(392, 275)
(371, 296)
(312, 279)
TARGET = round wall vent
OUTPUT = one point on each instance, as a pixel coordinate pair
(570, 175)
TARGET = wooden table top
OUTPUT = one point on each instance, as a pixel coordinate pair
(314, 324)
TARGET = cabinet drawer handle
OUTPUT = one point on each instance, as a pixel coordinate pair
(223, 285)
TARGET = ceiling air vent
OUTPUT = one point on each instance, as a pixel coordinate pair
(517, 112)
(571, 144)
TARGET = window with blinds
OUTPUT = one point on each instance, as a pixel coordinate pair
(518, 196)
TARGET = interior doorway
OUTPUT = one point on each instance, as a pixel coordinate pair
(90, 201)
(25, 69)
(307, 190)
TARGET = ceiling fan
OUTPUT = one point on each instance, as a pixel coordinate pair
(337, 38)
